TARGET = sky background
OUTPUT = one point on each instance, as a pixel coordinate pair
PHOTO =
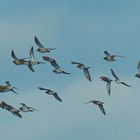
(80, 30)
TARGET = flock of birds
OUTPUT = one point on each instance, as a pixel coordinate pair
(31, 61)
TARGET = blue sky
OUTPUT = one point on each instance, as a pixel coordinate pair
(81, 31)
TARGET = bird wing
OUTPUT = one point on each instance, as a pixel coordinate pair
(17, 114)
(57, 97)
(42, 88)
(115, 76)
(13, 55)
(31, 67)
(86, 72)
(38, 42)
(54, 64)
(102, 109)
(24, 105)
(108, 86)
(14, 91)
(138, 66)
(76, 63)
(31, 53)
(125, 84)
(8, 83)
(106, 53)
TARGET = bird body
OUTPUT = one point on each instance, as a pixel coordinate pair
(8, 87)
(26, 108)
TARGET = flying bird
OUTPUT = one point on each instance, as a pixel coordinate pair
(41, 48)
(32, 60)
(7, 87)
(11, 109)
(84, 68)
(18, 61)
(110, 57)
(108, 83)
(57, 68)
(50, 92)
(100, 105)
(117, 80)
(26, 108)
(138, 68)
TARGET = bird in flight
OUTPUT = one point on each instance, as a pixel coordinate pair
(108, 83)
(32, 60)
(138, 68)
(84, 68)
(10, 108)
(26, 108)
(41, 48)
(57, 68)
(110, 57)
(17, 61)
(7, 87)
(117, 80)
(99, 104)
(50, 92)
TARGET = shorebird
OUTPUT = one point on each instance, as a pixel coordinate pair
(57, 68)
(108, 83)
(41, 48)
(18, 61)
(100, 105)
(7, 87)
(110, 57)
(32, 60)
(84, 68)
(50, 92)
(138, 68)
(26, 108)
(11, 109)
(117, 80)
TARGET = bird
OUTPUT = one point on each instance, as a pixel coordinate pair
(100, 105)
(111, 58)
(26, 108)
(41, 48)
(50, 92)
(32, 60)
(57, 68)
(7, 87)
(84, 68)
(18, 61)
(117, 80)
(108, 83)
(11, 109)
(138, 68)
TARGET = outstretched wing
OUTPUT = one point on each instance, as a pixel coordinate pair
(13, 55)
(76, 63)
(125, 84)
(38, 42)
(108, 86)
(86, 72)
(54, 64)
(138, 66)
(102, 109)
(31, 67)
(106, 53)
(31, 53)
(57, 97)
(115, 76)
(42, 88)
(24, 105)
